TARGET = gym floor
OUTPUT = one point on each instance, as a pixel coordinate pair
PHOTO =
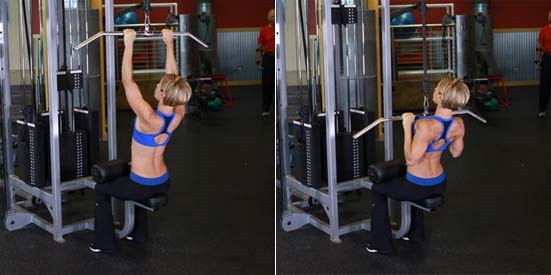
(495, 216)
(219, 219)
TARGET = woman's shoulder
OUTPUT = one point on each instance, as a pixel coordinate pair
(458, 121)
(428, 126)
(458, 127)
(429, 121)
(180, 110)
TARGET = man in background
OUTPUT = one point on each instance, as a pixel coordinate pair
(543, 63)
(265, 60)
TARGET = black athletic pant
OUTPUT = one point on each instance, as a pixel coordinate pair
(402, 190)
(124, 189)
(268, 81)
(545, 81)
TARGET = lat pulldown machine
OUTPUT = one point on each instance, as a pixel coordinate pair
(295, 190)
(18, 214)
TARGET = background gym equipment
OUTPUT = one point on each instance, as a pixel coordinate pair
(215, 104)
(340, 102)
(428, 51)
(206, 31)
(127, 18)
(355, 60)
(55, 127)
(484, 39)
(403, 19)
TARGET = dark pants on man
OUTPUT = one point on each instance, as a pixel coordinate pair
(545, 81)
(268, 81)
(123, 189)
(402, 190)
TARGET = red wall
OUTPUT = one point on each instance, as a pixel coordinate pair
(242, 13)
(506, 14)
(252, 13)
(520, 14)
(229, 13)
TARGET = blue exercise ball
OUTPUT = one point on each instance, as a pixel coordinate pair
(127, 19)
(403, 19)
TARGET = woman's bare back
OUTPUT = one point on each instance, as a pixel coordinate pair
(430, 165)
(148, 161)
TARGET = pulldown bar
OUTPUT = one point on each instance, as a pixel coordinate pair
(396, 118)
(138, 34)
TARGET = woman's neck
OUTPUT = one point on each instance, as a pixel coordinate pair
(443, 112)
(164, 109)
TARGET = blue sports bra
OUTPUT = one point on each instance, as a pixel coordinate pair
(446, 126)
(149, 139)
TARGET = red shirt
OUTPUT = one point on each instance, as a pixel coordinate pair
(544, 38)
(267, 38)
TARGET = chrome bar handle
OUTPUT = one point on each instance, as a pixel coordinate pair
(396, 118)
(139, 34)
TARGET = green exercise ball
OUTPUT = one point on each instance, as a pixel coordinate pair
(215, 104)
(491, 105)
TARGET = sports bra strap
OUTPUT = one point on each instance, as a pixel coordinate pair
(446, 126)
(149, 139)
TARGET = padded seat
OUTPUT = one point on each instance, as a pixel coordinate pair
(153, 203)
(431, 202)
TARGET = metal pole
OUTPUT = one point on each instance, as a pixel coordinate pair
(110, 80)
(38, 96)
(357, 55)
(451, 51)
(29, 35)
(347, 56)
(387, 79)
(329, 84)
(315, 79)
(181, 28)
(307, 60)
(285, 169)
(298, 45)
(6, 104)
(21, 55)
(52, 42)
(425, 63)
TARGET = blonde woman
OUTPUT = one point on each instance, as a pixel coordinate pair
(152, 132)
(425, 139)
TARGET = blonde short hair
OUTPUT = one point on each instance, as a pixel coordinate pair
(177, 90)
(455, 94)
